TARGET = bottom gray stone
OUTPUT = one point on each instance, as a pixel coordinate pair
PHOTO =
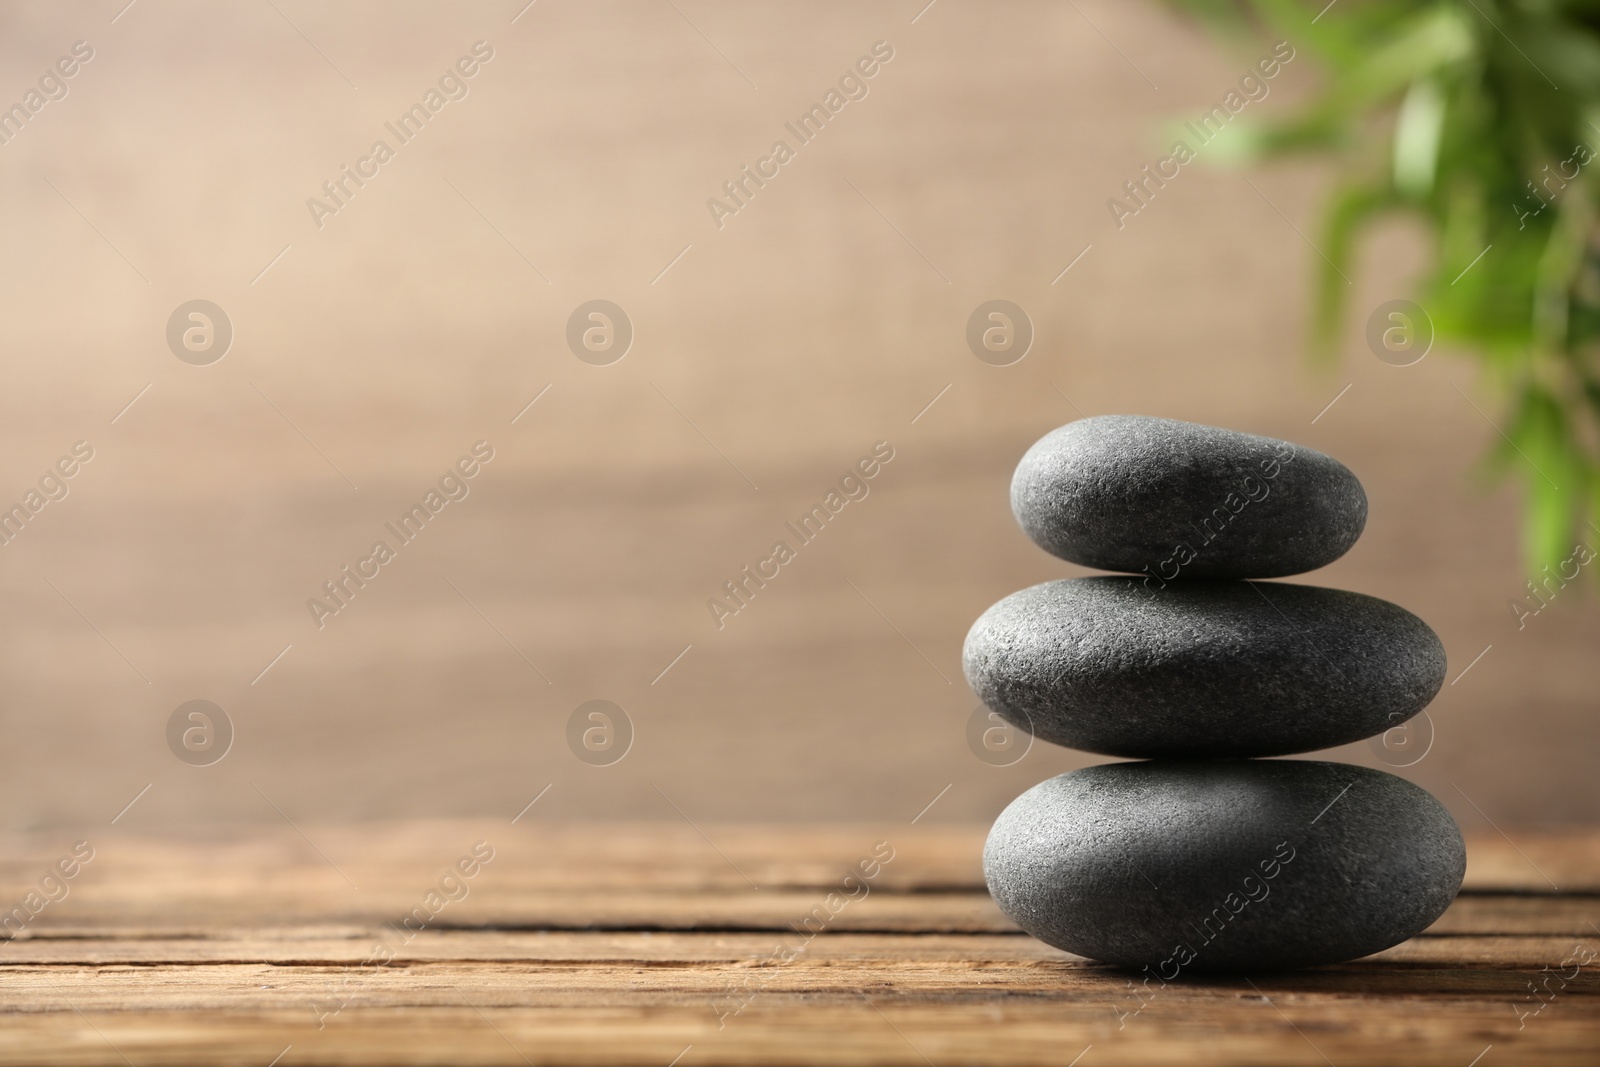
(1254, 864)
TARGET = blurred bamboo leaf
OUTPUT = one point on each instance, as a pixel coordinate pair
(1481, 119)
(1416, 138)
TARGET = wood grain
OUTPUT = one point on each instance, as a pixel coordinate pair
(641, 944)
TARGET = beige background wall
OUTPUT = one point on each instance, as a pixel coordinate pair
(822, 318)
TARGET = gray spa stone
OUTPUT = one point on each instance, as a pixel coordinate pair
(1201, 669)
(1180, 500)
(1253, 864)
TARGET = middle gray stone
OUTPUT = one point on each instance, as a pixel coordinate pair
(1206, 669)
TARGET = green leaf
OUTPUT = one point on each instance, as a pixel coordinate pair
(1416, 138)
(1481, 120)
(1349, 209)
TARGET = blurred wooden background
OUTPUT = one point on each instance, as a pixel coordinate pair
(768, 356)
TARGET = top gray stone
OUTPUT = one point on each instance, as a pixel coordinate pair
(1176, 499)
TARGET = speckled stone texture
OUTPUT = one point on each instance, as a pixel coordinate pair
(1201, 669)
(1222, 866)
(1179, 500)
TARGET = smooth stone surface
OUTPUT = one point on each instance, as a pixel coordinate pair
(1180, 500)
(1224, 866)
(1201, 669)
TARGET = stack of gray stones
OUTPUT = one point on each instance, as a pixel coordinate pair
(1202, 855)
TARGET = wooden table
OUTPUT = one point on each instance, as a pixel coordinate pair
(671, 944)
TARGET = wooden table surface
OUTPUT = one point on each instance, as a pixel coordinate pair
(675, 944)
